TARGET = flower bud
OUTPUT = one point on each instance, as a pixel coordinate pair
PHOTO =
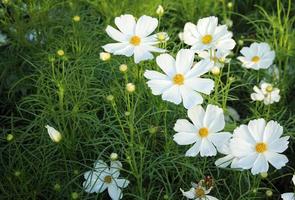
(114, 156)
(130, 87)
(215, 71)
(76, 18)
(268, 193)
(104, 56)
(53, 134)
(60, 52)
(9, 137)
(123, 68)
(75, 195)
(110, 98)
(160, 10)
(229, 5)
(263, 174)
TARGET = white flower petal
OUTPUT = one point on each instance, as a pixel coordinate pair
(150, 74)
(247, 161)
(115, 168)
(114, 191)
(208, 197)
(126, 24)
(128, 50)
(121, 182)
(279, 145)
(260, 165)
(167, 64)
(183, 125)
(114, 47)
(197, 114)
(199, 69)
(188, 36)
(145, 26)
(159, 86)
(224, 161)
(115, 34)
(172, 95)
(141, 54)
(273, 131)
(194, 150)
(183, 138)
(219, 139)
(207, 148)
(277, 160)
(256, 128)
(288, 196)
(190, 97)
(189, 194)
(214, 118)
(203, 85)
(184, 60)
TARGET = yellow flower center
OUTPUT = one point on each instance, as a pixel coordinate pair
(269, 88)
(203, 132)
(255, 59)
(207, 39)
(161, 36)
(261, 147)
(107, 179)
(200, 192)
(135, 40)
(178, 79)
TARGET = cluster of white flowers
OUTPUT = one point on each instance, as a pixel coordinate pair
(253, 146)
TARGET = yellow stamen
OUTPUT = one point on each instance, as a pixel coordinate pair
(203, 132)
(255, 59)
(135, 40)
(178, 79)
(200, 192)
(207, 39)
(269, 88)
(107, 179)
(261, 147)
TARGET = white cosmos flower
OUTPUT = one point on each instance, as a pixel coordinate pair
(227, 160)
(205, 132)
(293, 179)
(207, 34)
(133, 38)
(258, 144)
(198, 192)
(54, 134)
(181, 82)
(102, 177)
(288, 196)
(266, 93)
(257, 56)
(217, 57)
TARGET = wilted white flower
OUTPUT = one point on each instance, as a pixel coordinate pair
(205, 133)
(54, 135)
(257, 56)
(207, 34)
(104, 56)
(134, 38)
(266, 93)
(103, 177)
(181, 82)
(160, 10)
(258, 144)
(198, 192)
